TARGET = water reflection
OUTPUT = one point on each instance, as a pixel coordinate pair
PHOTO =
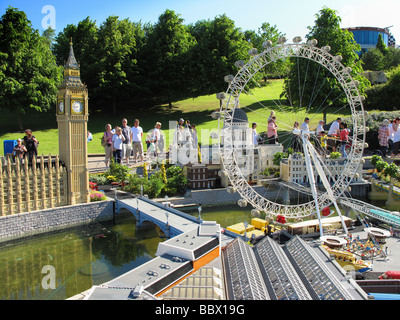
(87, 256)
(81, 257)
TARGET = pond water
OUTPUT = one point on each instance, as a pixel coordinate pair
(89, 255)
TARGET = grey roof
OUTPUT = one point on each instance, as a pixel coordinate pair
(239, 116)
(295, 271)
(242, 273)
(71, 62)
(282, 281)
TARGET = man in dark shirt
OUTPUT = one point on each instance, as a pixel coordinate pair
(127, 144)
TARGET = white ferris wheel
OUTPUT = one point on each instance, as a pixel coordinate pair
(324, 183)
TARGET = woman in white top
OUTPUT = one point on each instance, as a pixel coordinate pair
(156, 137)
(396, 138)
(255, 135)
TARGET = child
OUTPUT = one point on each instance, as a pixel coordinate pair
(19, 150)
(117, 139)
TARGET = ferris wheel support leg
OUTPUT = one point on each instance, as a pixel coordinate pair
(310, 173)
(325, 182)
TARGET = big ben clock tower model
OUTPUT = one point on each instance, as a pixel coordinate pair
(72, 117)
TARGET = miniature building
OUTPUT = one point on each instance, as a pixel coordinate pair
(201, 176)
(177, 259)
(294, 169)
(72, 118)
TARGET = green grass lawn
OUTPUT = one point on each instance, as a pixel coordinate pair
(198, 111)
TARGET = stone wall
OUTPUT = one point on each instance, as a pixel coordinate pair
(211, 197)
(36, 222)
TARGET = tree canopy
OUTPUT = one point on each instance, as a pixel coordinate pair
(29, 75)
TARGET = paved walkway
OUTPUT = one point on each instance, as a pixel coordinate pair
(96, 163)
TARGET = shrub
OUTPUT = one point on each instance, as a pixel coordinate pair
(118, 171)
(381, 165)
(97, 196)
(375, 158)
(335, 155)
(392, 170)
(99, 178)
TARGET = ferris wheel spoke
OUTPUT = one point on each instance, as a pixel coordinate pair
(333, 92)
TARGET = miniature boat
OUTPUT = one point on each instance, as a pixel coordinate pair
(345, 258)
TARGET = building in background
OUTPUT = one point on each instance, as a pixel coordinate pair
(367, 37)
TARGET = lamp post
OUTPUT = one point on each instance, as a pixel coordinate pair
(166, 201)
(199, 209)
(167, 230)
(245, 228)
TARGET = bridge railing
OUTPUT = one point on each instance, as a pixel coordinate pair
(172, 210)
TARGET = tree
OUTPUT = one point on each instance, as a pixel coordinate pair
(271, 33)
(116, 59)
(381, 46)
(166, 60)
(327, 32)
(29, 76)
(84, 39)
(373, 60)
(219, 45)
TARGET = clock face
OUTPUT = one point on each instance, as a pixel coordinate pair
(77, 107)
(61, 107)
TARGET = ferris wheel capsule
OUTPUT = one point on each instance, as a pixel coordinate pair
(297, 39)
(326, 48)
(216, 115)
(253, 52)
(229, 78)
(221, 95)
(242, 203)
(312, 42)
(282, 40)
(267, 44)
(239, 64)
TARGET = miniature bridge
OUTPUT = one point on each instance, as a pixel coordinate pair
(369, 210)
(171, 221)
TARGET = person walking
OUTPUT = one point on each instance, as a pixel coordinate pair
(127, 144)
(31, 144)
(107, 140)
(118, 140)
(383, 137)
(137, 144)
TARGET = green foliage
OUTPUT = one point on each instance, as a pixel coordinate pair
(99, 178)
(155, 186)
(328, 32)
(385, 96)
(381, 165)
(374, 159)
(29, 76)
(335, 155)
(278, 157)
(119, 171)
(392, 170)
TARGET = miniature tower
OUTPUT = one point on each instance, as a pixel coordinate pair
(72, 117)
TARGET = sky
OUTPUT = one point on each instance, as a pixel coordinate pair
(291, 17)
